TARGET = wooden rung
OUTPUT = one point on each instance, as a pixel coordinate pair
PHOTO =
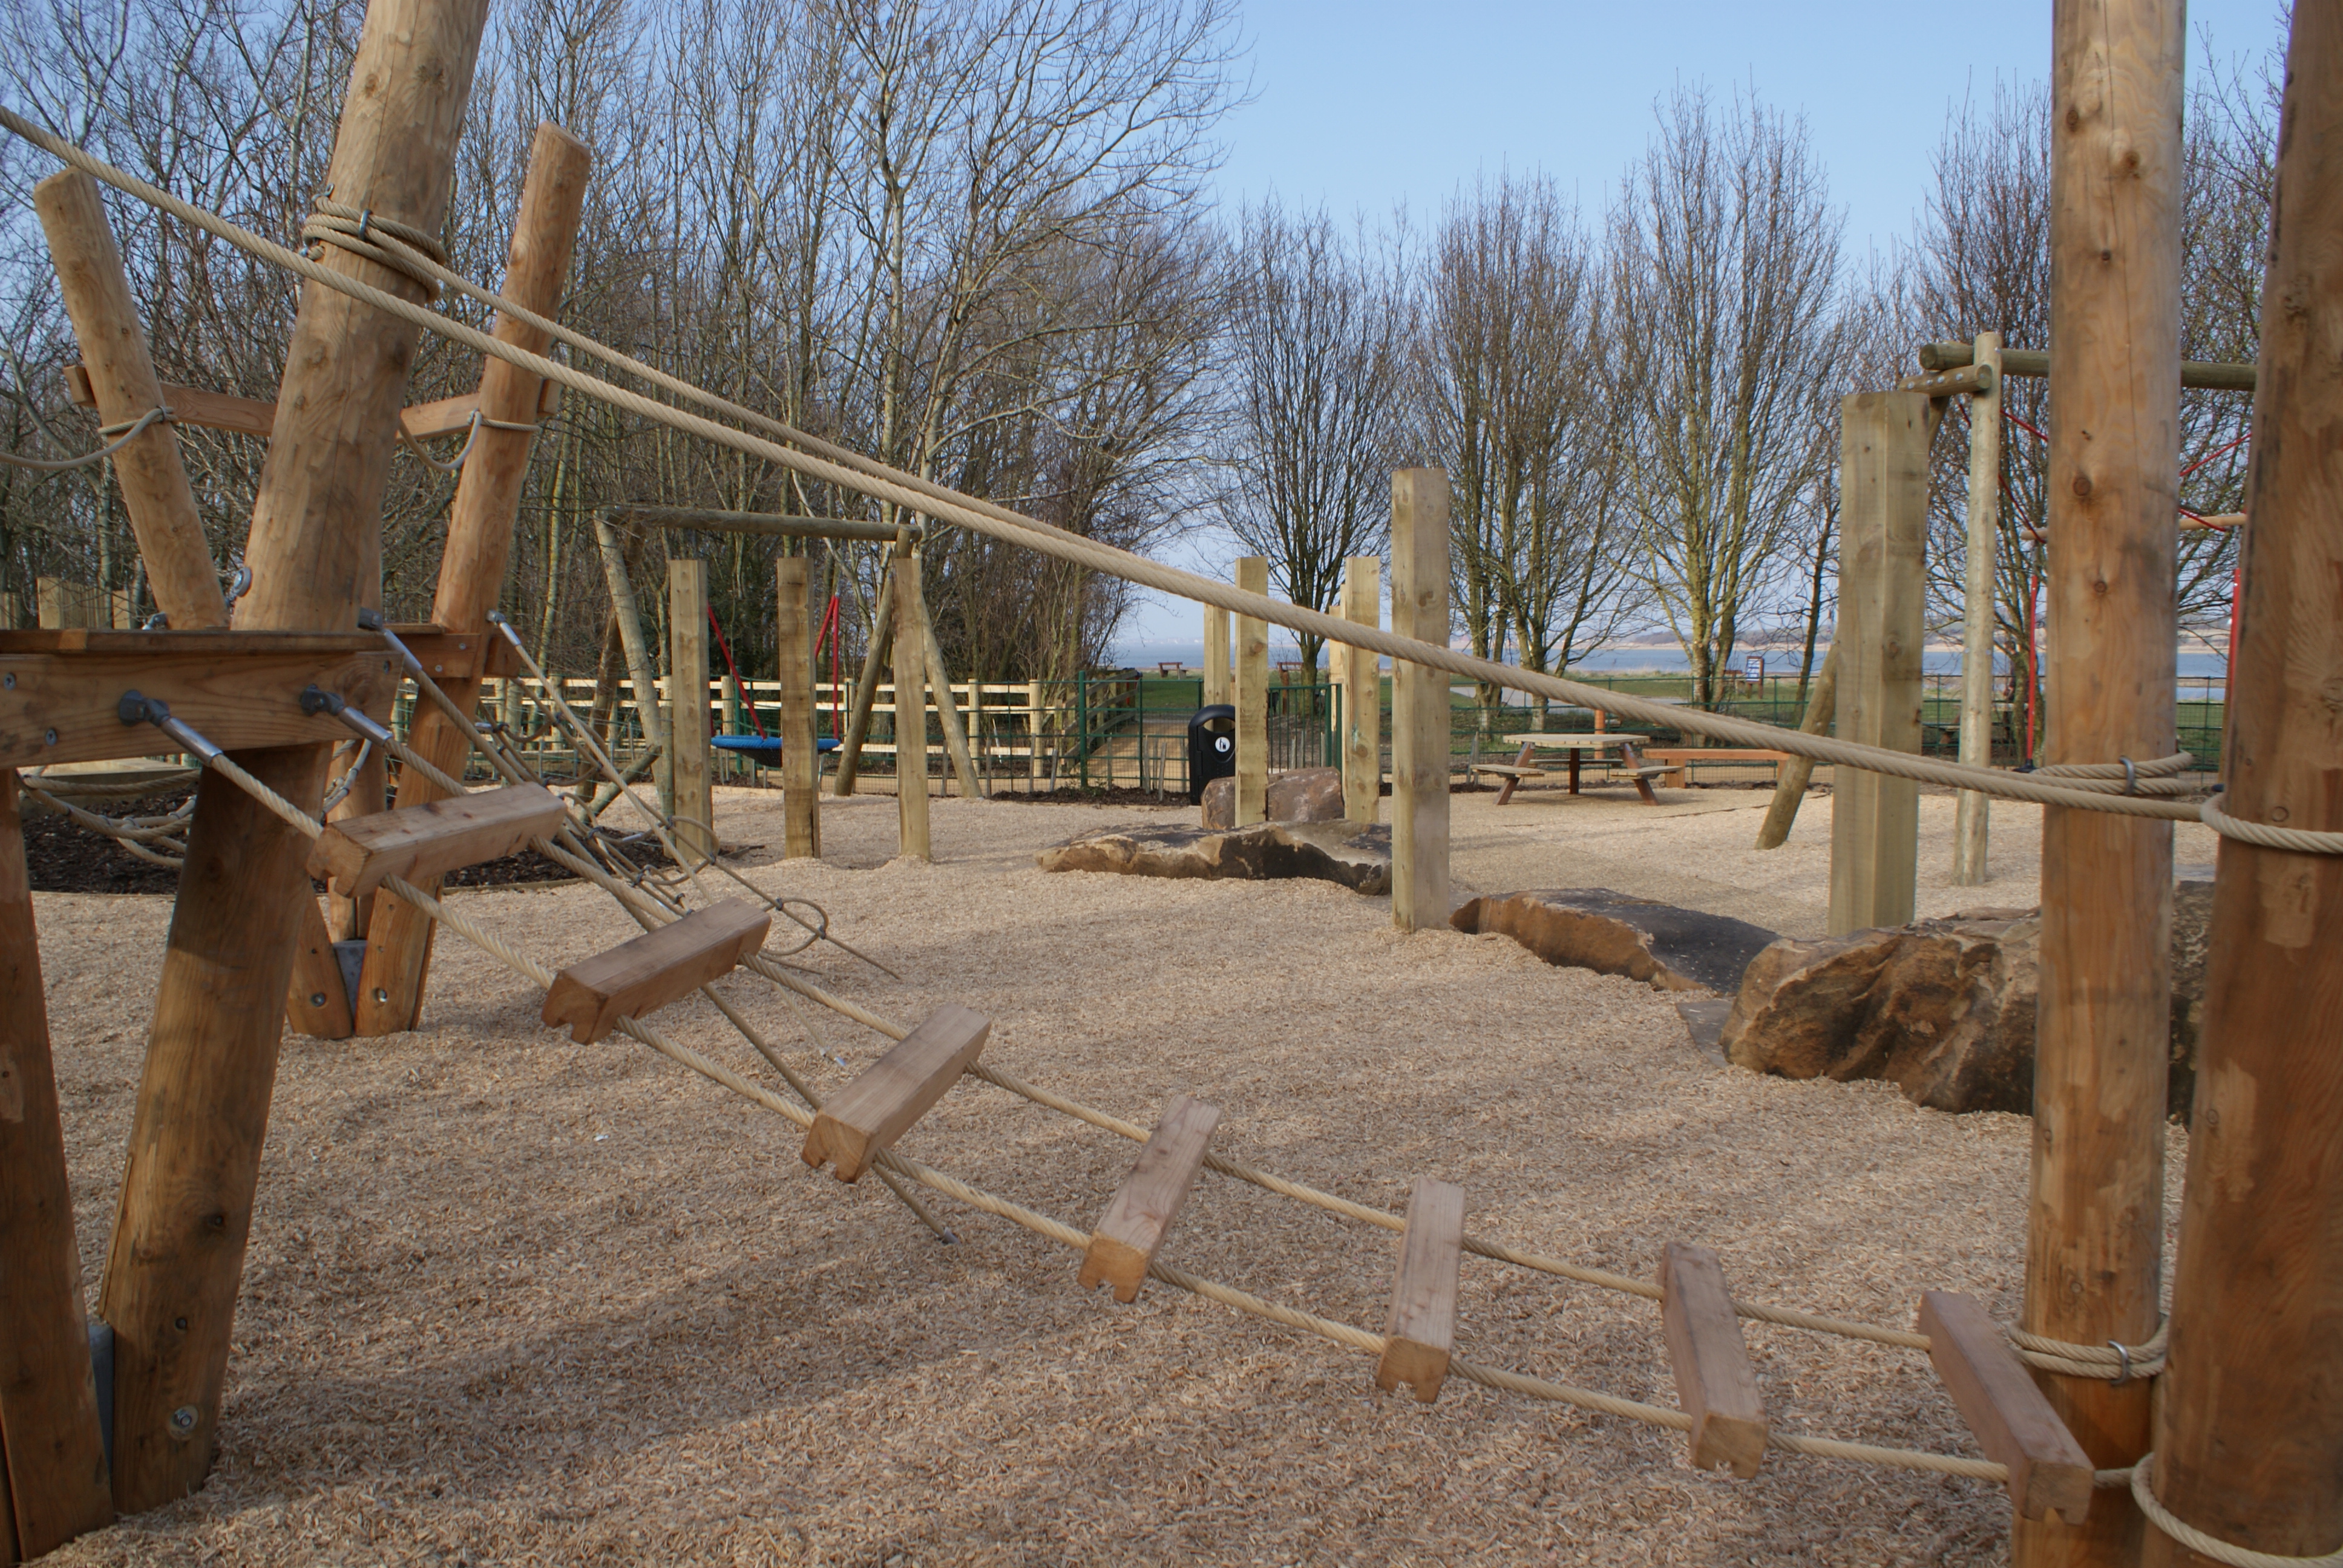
(1423, 1327)
(1715, 1383)
(868, 1115)
(2012, 1422)
(423, 843)
(637, 978)
(1134, 1224)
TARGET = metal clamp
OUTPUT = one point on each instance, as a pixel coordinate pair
(135, 709)
(316, 699)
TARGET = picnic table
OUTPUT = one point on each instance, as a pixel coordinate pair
(1575, 746)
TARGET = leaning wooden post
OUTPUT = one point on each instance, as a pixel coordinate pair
(185, 1207)
(910, 710)
(1252, 699)
(473, 564)
(1790, 783)
(800, 763)
(155, 489)
(55, 1475)
(1882, 598)
(1972, 817)
(2102, 1038)
(1420, 707)
(641, 673)
(687, 707)
(1218, 687)
(866, 689)
(947, 711)
(2248, 1432)
(1363, 707)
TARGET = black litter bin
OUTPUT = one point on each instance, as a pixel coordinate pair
(1211, 748)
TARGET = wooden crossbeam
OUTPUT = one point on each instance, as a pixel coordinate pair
(2004, 1410)
(423, 843)
(1131, 1231)
(1715, 1383)
(1422, 1331)
(870, 1113)
(639, 976)
(257, 416)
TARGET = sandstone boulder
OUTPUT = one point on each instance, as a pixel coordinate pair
(1220, 805)
(1357, 857)
(1613, 934)
(1303, 795)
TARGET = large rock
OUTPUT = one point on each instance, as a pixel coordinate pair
(1357, 857)
(1944, 1008)
(1613, 934)
(1304, 795)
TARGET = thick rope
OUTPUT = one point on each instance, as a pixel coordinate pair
(849, 471)
(128, 432)
(2143, 1491)
(361, 232)
(2114, 1361)
(2162, 776)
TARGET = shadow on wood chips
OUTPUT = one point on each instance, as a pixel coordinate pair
(63, 857)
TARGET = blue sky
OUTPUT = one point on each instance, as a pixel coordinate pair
(1367, 107)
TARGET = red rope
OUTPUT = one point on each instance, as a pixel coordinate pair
(739, 685)
(2225, 446)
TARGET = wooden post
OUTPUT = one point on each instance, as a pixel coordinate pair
(1972, 821)
(479, 545)
(1791, 779)
(686, 706)
(1363, 707)
(154, 488)
(1252, 699)
(911, 712)
(1420, 710)
(947, 710)
(185, 1207)
(55, 1473)
(800, 763)
(1882, 595)
(866, 689)
(2249, 1435)
(2094, 1241)
(1218, 687)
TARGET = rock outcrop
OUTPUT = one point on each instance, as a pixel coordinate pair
(1303, 795)
(1358, 857)
(1613, 934)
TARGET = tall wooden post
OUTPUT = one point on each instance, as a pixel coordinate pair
(55, 1473)
(1363, 709)
(1882, 598)
(1252, 699)
(910, 711)
(1218, 686)
(155, 489)
(1973, 819)
(1420, 706)
(185, 1207)
(2095, 1232)
(479, 545)
(800, 763)
(686, 706)
(2249, 1435)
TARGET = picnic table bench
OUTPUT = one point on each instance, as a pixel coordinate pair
(1575, 746)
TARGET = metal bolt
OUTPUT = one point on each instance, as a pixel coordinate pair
(381, 995)
(49, 737)
(183, 1421)
(9, 680)
(316, 998)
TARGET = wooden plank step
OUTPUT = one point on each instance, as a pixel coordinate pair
(1997, 1397)
(1133, 1226)
(423, 843)
(868, 1115)
(1714, 1383)
(1422, 1330)
(639, 976)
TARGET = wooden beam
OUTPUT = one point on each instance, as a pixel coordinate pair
(180, 571)
(185, 1207)
(948, 719)
(1220, 686)
(1252, 699)
(2198, 375)
(257, 416)
(637, 978)
(766, 524)
(910, 711)
(2011, 1421)
(56, 1473)
(1790, 783)
(2249, 1432)
(1362, 698)
(1882, 604)
(1973, 815)
(687, 681)
(800, 762)
(1714, 1383)
(1420, 706)
(421, 844)
(1968, 381)
(1132, 1229)
(2095, 1243)
(866, 689)
(636, 643)
(867, 1117)
(1421, 1331)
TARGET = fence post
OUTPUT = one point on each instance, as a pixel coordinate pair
(1420, 718)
